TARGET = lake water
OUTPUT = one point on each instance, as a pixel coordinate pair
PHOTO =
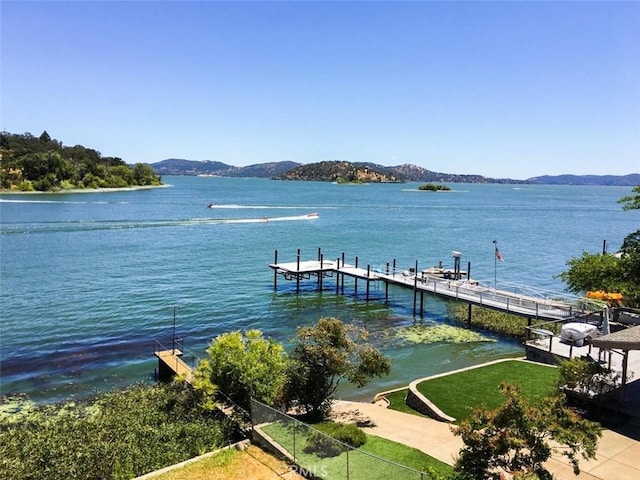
(89, 280)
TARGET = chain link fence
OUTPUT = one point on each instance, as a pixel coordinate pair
(317, 455)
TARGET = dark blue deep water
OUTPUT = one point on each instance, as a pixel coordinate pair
(88, 280)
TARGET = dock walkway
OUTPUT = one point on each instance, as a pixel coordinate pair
(170, 363)
(553, 307)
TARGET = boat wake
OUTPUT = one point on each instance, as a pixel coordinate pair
(233, 206)
(49, 227)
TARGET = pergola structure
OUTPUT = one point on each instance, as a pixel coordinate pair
(625, 340)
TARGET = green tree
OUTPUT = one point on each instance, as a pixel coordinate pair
(609, 272)
(515, 438)
(324, 354)
(120, 176)
(144, 175)
(587, 378)
(42, 163)
(631, 202)
(243, 367)
(593, 272)
(630, 263)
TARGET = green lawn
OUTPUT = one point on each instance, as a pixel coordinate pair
(359, 464)
(458, 394)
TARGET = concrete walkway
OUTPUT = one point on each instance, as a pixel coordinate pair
(618, 455)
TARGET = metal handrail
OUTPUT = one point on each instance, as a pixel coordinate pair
(158, 346)
(569, 305)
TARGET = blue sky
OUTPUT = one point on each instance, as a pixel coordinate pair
(502, 89)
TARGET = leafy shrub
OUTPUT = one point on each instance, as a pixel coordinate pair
(329, 439)
(587, 377)
(122, 434)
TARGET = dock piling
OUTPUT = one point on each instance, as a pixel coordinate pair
(386, 287)
(275, 272)
(356, 280)
(368, 276)
(415, 289)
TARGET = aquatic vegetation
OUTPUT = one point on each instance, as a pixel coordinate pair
(435, 333)
(494, 321)
(15, 408)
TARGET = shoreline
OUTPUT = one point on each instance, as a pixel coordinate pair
(86, 190)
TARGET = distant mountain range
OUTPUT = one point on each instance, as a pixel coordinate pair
(616, 180)
(178, 166)
(342, 171)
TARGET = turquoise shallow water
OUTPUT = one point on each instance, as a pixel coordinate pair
(89, 280)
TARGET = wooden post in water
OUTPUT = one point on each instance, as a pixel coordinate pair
(368, 273)
(298, 273)
(394, 267)
(356, 282)
(321, 274)
(421, 303)
(415, 289)
(342, 279)
(468, 270)
(469, 314)
(275, 272)
(338, 275)
(386, 287)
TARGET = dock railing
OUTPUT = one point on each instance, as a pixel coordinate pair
(181, 361)
(534, 302)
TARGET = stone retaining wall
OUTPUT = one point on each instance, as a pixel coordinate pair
(422, 404)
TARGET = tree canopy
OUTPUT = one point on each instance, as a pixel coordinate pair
(30, 163)
(243, 366)
(324, 354)
(631, 202)
(618, 272)
(515, 438)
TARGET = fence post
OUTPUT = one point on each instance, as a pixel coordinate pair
(295, 426)
(347, 464)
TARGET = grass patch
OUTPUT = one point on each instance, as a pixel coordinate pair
(293, 438)
(397, 402)
(232, 465)
(409, 456)
(458, 394)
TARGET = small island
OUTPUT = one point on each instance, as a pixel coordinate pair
(43, 164)
(432, 187)
(341, 172)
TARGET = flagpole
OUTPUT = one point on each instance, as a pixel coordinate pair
(495, 264)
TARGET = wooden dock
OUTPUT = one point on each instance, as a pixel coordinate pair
(170, 364)
(469, 291)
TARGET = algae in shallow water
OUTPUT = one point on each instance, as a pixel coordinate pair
(439, 333)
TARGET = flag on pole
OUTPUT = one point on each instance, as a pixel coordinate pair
(499, 255)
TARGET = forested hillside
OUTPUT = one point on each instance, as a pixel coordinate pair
(29, 163)
(178, 166)
(341, 172)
